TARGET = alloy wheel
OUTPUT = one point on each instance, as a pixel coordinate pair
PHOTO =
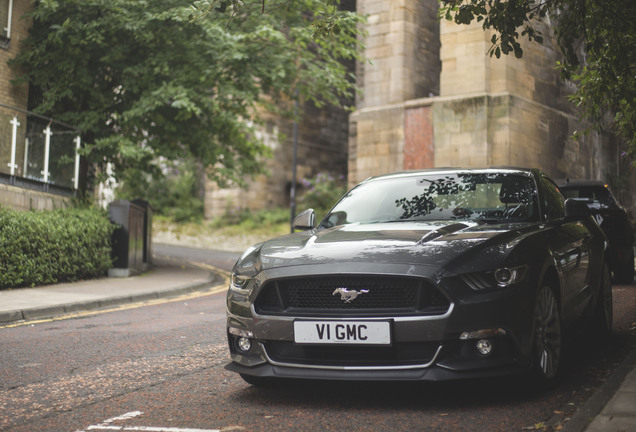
(547, 334)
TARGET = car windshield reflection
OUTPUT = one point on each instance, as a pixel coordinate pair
(482, 197)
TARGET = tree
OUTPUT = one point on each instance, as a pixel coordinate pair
(145, 80)
(597, 39)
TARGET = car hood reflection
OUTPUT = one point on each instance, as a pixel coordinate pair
(403, 242)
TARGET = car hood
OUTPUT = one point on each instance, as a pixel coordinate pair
(434, 244)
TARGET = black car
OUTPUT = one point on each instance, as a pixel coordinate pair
(613, 219)
(424, 275)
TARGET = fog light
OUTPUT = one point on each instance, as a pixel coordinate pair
(243, 344)
(484, 346)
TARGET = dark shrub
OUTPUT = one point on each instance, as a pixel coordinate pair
(45, 247)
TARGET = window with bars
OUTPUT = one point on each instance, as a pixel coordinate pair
(6, 8)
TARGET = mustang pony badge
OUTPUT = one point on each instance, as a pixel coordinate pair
(347, 295)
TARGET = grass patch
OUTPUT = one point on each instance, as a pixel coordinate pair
(247, 228)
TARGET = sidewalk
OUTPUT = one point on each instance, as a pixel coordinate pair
(611, 409)
(165, 279)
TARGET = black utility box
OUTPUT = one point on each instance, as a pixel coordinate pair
(131, 242)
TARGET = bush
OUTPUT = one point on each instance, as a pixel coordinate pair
(46, 247)
(320, 193)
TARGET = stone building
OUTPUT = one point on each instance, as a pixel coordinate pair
(432, 97)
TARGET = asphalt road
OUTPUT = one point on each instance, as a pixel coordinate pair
(220, 259)
(160, 368)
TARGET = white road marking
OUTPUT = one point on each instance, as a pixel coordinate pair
(106, 425)
(126, 416)
(150, 429)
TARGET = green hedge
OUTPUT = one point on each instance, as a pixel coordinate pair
(46, 247)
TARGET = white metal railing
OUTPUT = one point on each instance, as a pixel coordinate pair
(49, 149)
(14, 134)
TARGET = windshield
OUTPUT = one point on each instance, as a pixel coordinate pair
(484, 197)
(596, 193)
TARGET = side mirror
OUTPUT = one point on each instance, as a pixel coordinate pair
(305, 220)
(576, 209)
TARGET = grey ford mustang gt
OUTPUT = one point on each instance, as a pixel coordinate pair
(423, 275)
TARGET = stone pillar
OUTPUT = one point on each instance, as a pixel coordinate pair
(506, 111)
(403, 48)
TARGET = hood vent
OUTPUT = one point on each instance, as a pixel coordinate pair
(432, 235)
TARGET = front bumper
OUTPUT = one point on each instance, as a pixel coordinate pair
(433, 373)
(426, 348)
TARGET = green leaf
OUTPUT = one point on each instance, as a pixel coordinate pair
(175, 79)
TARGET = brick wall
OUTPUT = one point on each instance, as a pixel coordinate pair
(9, 94)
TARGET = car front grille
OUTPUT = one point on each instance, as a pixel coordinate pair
(351, 295)
(399, 354)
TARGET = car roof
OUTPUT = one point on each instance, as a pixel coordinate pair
(580, 183)
(453, 170)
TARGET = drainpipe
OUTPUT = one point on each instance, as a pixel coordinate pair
(292, 191)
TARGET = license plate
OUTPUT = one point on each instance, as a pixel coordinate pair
(343, 332)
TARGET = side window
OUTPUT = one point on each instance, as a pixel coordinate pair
(6, 7)
(553, 207)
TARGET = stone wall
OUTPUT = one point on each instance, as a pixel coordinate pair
(378, 142)
(495, 130)
(510, 111)
(26, 199)
(322, 147)
(403, 47)
(403, 43)
(468, 69)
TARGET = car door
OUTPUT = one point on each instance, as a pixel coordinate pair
(571, 244)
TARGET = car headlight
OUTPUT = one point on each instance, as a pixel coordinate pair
(502, 277)
(506, 276)
(247, 266)
(239, 283)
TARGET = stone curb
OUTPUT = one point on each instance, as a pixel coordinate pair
(30, 314)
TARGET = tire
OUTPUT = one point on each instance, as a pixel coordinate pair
(604, 309)
(547, 336)
(625, 270)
